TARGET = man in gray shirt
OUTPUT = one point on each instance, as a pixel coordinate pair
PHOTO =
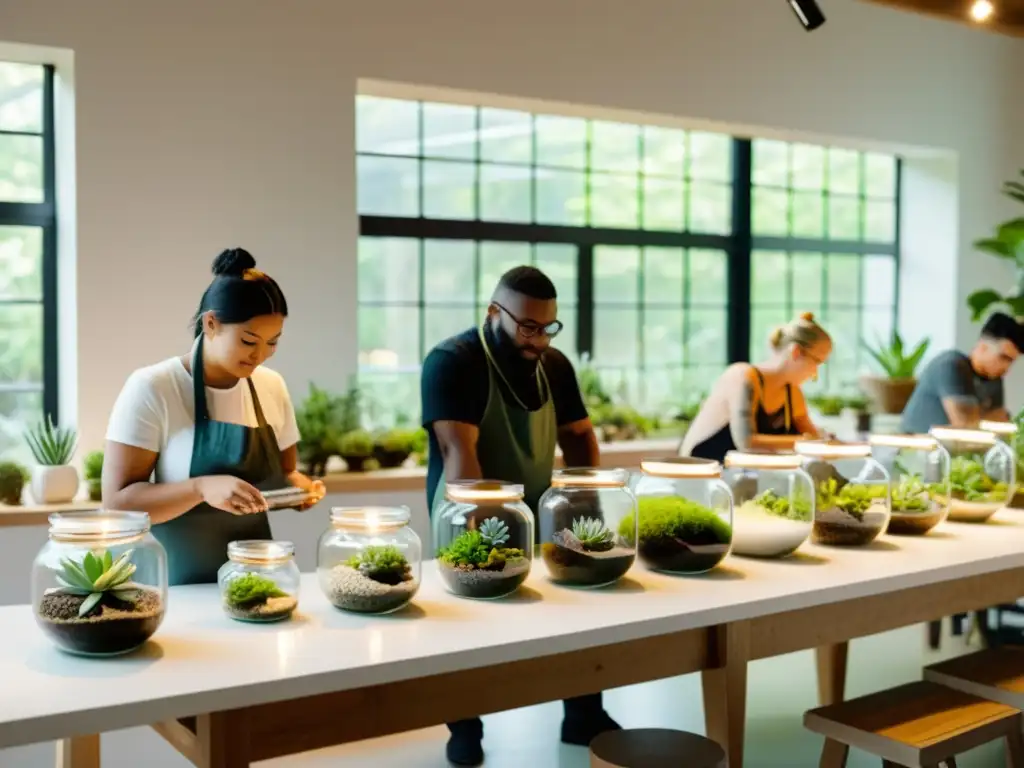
(960, 390)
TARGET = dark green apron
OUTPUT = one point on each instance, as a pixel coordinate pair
(197, 542)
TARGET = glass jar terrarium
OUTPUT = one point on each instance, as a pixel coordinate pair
(851, 492)
(99, 585)
(369, 560)
(773, 502)
(581, 526)
(1004, 430)
(918, 468)
(483, 533)
(260, 581)
(982, 472)
(684, 513)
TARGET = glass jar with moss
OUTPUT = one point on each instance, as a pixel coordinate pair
(851, 506)
(982, 472)
(483, 535)
(918, 468)
(684, 513)
(773, 503)
(580, 517)
(260, 581)
(369, 560)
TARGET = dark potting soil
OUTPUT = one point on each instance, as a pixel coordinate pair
(476, 583)
(835, 528)
(676, 556)
(112, 628)
(914, 523)
(568, 563)
(272, 609)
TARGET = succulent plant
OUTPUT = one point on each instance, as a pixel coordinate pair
(910, 494)
(52, 446)
(494, 532)
(853, 498)
(12, 482)
(471, 549)
(97, 575)
(384, 564)
(593, 534)
(251, 589)
(970, 482)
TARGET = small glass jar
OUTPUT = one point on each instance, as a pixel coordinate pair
(774, 503)
(685, 515)
(1004, 430)
(99, 584)
(260, 581)
(587, 522)
(369, 560)
(484, 538)
(918, 468)
(982, 472)
(851, 492)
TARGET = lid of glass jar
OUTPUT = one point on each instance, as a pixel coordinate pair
(681, 467)
(913, 442)
(97, 526)
(832, 449)
(963, 436)
(755, 460)
(476, 491)
(259, 552)
(1002, 428)
(370, 519)
(579, 477)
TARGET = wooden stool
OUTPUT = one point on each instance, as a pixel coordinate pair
(996, 674)
(654, 748)
(918, 725)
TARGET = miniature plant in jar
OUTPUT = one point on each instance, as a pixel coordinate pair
(260, 581)
(919, 470)
(378, 579)
(478, 564)
(254, 597)
(982, 473)
(774, 503)
(678, 535)
(915, 509)
(588, 554)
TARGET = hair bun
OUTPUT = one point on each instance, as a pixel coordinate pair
(233, 262)
(775, 337)
(807, 317)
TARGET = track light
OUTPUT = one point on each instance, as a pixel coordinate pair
(982, 10)
(809, 13)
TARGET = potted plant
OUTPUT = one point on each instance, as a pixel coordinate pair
(356, 448)
(319, 419)
(678, 535)
(478, 564)
(1007, 244)
(889, 393)
(13, 478)
(54, 480)
(92, 469)
(378, 579)
(420, 445)
(393, 447)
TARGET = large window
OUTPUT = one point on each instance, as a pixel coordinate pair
(27, 251)
(672, 250)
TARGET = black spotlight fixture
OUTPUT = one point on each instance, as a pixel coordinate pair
(809, 13)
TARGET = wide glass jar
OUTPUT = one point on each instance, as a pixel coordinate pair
(918, 468)
(1004, 430)
(99, 584)
(851, 492)
(369, 560)
(260, 581)
(581, 518)
(773, 503)
(685, 515)
(483, 535)
(982, 472)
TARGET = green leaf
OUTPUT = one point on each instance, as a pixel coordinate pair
(89, 603)
(108, 560)
(980, 301)
(995, 247)
(73, 573)
(1016, 305)
(92, 566)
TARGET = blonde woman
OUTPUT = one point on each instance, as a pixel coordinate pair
(761, 406)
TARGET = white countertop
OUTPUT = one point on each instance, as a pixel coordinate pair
(200, 661)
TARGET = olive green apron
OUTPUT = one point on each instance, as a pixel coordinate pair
(516, 445)
(197, 541)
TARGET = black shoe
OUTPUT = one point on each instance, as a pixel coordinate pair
(465, 749)
(580, 731)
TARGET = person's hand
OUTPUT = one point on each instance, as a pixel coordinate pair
(230, 494)
(317, 490)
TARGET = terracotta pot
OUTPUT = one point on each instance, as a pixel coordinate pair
(888, 395)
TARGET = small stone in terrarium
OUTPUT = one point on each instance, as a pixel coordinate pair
(770, 525)
(478, 564)
(914, 510)
(678, 535)
(255, 597)
(377, 580)
(587, 554)
(849, 515)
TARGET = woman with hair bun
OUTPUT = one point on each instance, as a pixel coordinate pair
(761, 406)
(193, 440)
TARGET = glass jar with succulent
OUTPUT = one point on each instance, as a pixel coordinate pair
(260, 581)
(982, 475)
(54, 480)
(13, 478)
(99, 584)
(684, 515)
(484, 538)
(891, 391)
(579, 518)
(369, 560)
(774, 503)
(918, 468)
(852, 502)
(92, 470)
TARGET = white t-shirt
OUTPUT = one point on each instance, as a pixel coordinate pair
(156, 411)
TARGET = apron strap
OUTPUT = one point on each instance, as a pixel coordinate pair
(260, 420)
(543, 388)
(198, 384)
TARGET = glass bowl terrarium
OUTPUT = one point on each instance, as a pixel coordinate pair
(851, 492)
(684, 513)
(982, 472)
(260, 581)
(99, 584)
(918, 468)
(773, 502)
(484, 538)
(580, 518)
(369, 560)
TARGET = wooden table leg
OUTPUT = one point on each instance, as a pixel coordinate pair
(725, 691)
(223, 740)
(79, 752)
(831, 672)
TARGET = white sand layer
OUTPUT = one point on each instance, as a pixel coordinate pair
(973, 511)
(757, 533)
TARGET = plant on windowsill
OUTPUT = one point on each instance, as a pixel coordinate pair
(356, 448)
(54, 480)
(323, 419)
(890, 392)
(92, 470)
(393, 447)
(13, 478)
(1008, 244)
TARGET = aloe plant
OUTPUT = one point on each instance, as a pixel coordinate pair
(97, 575)
(894, 359)
(52, 446)
(593, 534)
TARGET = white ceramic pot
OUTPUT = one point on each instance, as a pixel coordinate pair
(54, 485)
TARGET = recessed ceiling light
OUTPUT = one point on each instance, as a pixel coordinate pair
(982, 10)
(808, 12)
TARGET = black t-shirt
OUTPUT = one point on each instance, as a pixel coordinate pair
(455, 384)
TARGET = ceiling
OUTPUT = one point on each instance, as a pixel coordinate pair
(1008, 18)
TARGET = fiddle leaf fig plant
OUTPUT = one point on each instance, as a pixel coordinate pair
(1008, 244)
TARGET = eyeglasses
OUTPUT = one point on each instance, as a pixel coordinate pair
(528, 328)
